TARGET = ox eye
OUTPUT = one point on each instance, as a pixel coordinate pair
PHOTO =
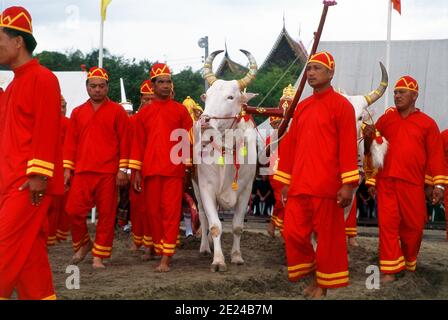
(360, 118)
(230, 97)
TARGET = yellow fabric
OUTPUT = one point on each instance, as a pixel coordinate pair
(104, 4)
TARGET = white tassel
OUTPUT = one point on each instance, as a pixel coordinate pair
(378, 152)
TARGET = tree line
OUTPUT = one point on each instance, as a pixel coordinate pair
(186, 83)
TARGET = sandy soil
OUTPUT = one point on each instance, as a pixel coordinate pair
(263, 276)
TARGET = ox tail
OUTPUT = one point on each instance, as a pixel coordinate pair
(378, 152)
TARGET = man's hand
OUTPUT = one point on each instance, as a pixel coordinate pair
(122, 179)
(437, 196)
(372, 191)
(138, 181)
(428, 192)
(368, 133)
(67, 178)
(38, 186)
(285, 190)
(345, 195)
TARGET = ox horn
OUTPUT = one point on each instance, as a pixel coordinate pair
(373, 96)
(208, 67)
(250, 76)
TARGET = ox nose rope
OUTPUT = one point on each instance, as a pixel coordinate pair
(222, 150)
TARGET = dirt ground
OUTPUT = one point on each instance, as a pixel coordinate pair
(263, 276)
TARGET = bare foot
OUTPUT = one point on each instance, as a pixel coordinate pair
(82, 253)
(148, 255)
(164, 265)
(319, 293)
(133, 247)
(309, 290)
(385, 278)
(98, 263)
(352, 242)
(271, 229)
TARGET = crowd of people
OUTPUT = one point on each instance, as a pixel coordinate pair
(55, 170)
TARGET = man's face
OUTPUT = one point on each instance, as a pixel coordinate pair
(404, 98)
(146, 99)
(9, 48)
(318, 75)
(97, 89)
(197, 113)
(162, 87)
(63, 108)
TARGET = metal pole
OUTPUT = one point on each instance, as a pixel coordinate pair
(100, 58)
(205, 59)
(388, 44)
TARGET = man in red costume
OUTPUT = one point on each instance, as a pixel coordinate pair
(278, 214)
(96, 149)
(322, 171)
(141, 230)
(156, 161)
(57, 217)
(31, 166)
(445, 147)
(415, 144)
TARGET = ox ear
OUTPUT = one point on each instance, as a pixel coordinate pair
(247, 96)
(203, 97)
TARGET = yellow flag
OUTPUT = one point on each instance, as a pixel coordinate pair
(104, 4)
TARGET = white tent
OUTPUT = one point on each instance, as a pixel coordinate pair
(73, 86)
(358, 72)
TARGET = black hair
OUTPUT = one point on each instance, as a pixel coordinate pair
(30, 42)
(87, 82)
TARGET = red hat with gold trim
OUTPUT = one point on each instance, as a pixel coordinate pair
(323, 58)
(159, 69)
(97, 72)
(407, 82)
(17, 18)
(146, 87)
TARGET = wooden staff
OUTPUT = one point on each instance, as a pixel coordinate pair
(290, 112)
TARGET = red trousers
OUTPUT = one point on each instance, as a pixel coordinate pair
(58, 226)
(164, 203)
(305, 215)
(24, 264)
(350, 224)
(446, 212)
(278, 214)
(401, 220)
(140, 226)
(86, 191)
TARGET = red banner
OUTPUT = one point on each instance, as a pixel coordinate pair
(397, 5)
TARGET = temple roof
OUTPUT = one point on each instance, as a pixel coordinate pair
(228, 66)
(285, 50)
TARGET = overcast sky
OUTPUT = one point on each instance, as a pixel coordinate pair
(169, 30)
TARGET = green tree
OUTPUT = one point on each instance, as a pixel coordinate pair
(188, 83)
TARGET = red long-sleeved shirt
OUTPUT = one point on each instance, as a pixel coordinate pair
(97, 141)
(30, 112)
(445, 147)
(152, 147)
(322, 147)
(415, 146)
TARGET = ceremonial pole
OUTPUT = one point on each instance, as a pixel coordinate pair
(100, 58)
(104, 4)
(388, 44)
(289, 113)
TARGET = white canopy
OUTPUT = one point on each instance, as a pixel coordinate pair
(72, 83)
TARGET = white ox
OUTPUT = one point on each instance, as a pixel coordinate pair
(214, 184)
(361, 105)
